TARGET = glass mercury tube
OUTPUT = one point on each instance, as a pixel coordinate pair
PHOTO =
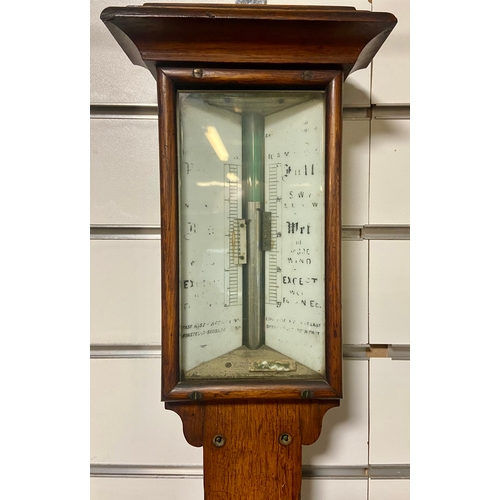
(252, 127)
(251, 191)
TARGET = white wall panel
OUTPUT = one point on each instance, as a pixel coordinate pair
(355, 172)
(129, 424)
(390, 172)
(391, 66)
(192, 489)
(389, 489)
(357, 88)
(389, 411)
(355, 292)
(125, 286)
(344, 437)
(124, 172)
(102, 488)
(389, 292)
(330, 489)
(113, 78)
(125, 297)
(125, 292)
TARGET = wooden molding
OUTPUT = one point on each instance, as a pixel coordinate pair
(174, 34)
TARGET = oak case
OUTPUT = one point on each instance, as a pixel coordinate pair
(170, 80)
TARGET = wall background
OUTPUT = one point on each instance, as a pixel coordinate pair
(137, 448)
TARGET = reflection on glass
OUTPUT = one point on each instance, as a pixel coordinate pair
(251, 170)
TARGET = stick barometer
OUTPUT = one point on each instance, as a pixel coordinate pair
(250, 120)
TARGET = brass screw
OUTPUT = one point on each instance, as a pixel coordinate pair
(195, 396)
(197, 73)
(285, 439)
(218, 441)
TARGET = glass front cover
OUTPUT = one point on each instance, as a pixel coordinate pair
(251, 198)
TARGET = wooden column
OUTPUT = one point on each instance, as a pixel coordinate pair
(261, 453)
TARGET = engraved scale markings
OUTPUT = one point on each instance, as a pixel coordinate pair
(273, 295)
(233, 236)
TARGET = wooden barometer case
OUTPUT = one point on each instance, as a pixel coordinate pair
(250, 124)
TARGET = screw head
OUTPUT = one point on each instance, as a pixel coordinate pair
(285, 439)
(218, 441)
(195, 396)
(197, 73)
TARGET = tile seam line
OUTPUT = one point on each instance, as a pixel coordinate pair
(150, 111)
(334, 472)
(352, 352)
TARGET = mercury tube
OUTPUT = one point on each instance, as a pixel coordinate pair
(253, 210)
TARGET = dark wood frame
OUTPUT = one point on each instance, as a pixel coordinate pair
(169, 81)
(238, 35)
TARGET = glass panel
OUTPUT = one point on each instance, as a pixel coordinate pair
(251, 171)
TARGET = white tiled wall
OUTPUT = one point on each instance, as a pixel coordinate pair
(124, 175)
(129, 425)
(150, 489)
(390, 172)
(344, 437)
(126, 292)
(389, 411)
(355, 292)
(186, 488)
(324, 489)
(391, 67)
(389, 304)
(387, 489)
(355, 172)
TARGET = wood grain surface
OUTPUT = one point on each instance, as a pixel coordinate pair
(169, 233)
(163, 34)
(252, 464)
